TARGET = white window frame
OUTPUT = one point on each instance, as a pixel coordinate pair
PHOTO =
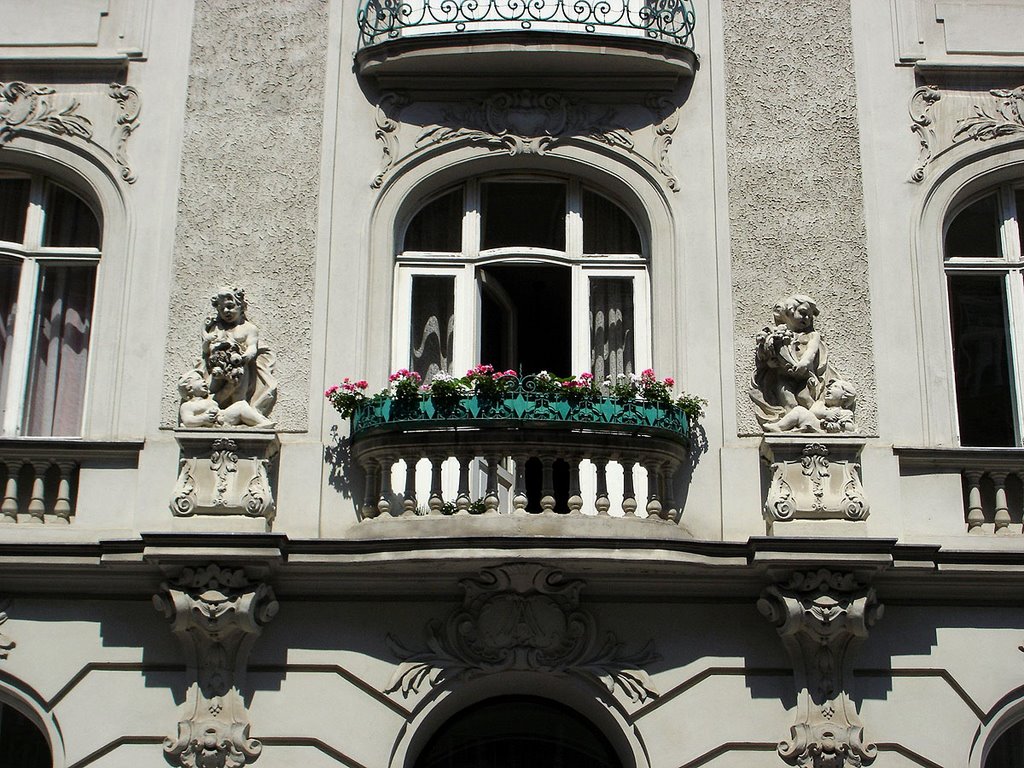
(1011, 266)
(32, 255)
(463, 266)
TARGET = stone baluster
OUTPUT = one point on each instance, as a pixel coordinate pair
(654, 507)
(601, 502)
(62, 507)
(1002, 518)
(975, 513)
(9, 506)
(37, 500)
(519, 499)
(436, 501)
(491, 499)
(547, 484)
(386, 492)
(668, 510)
(462, 500)
(575, 498)
(628, 492)
(371, 493)
(409, 494)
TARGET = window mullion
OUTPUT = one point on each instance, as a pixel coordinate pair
(574, 221)
(35, 220)
(21, 347)
(471, 221)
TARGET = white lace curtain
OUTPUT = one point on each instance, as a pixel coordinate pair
(433, 324)
(611, 326)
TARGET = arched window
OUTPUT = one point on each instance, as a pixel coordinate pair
(525, 272)
(22, 744)
(49, 253)
(518, 732)
(1008, 751)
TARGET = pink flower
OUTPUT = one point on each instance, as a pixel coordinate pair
(586, 377)
(512, 373)
(647, 373)
(331, 390)
(669, 381)
(362, 384)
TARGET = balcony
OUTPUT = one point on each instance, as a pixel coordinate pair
(510, 43)
(521, 452)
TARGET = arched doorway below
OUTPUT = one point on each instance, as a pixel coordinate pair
(518, 732)
(22, 744)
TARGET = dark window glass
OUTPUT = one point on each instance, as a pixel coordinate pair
(1008, 751)
(518, 732)
(70, 223)
(60, 350)
(433, 324)
(984, 393)
(529, 214)
(13, 207)
(606, 227)
(974, 233)
(438, 225)
(1019, 194)
(22, 744)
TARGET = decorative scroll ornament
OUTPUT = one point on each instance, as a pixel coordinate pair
(130, 105)
(216, 614)
(809, 482)
(387, 113)
(525, 123)
(24, 106)
(521, 616)
(6, 643)
(920, 108)
(821, 617)
(668, 121)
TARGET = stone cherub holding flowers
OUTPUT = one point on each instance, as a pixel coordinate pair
(794, 389)
(236, 369)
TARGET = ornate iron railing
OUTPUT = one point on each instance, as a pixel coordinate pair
(666, 20)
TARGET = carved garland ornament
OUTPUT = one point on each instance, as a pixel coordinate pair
(25, 107)
(216, 614)
(521, 616)
(821, 617)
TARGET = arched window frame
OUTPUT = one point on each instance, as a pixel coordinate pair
(34, 258)
(464, 267)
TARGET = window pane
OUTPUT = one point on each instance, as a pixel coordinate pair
(438, 225)
(611, 326)
(69, 221)
(433, 324)
(606, 227)
(1019, 194)
(60, 350)
(529, 214)
(13, 207)
(984, 393)
(974, 233)
(10, 272)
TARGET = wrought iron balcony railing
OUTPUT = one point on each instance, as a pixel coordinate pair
(670, 21)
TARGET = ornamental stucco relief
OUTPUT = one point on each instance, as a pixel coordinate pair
(216, 613)
(523, 122)
(822, 616)
(947, 119)
(27, 109)
(6, 643)
(521, 616)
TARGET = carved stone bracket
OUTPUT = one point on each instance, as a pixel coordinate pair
(816, 480)
(821, 617)
(521, 616)
(225, 472)
(216, 613)
(948, 118)
(6, 643)
(130, 105)
(521, 122)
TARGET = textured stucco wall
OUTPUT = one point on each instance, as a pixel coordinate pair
(247, 210)
(795, 194)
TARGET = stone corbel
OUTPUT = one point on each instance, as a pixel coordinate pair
(216, 613)
(821, 617)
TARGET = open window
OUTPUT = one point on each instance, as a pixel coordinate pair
(527, 273)
(49, 255)
(984, 264)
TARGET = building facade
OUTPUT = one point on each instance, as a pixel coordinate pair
(804, 212)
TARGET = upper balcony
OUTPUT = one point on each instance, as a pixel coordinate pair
(596, 44)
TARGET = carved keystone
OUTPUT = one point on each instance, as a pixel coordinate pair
(216, 614)
(821, 617)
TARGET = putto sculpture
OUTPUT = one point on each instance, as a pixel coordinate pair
(233, 384)
(794, 389)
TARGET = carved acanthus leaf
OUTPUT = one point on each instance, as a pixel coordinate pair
(24, 106)
(130, 105)
(521, 616)
(387, 113)
(1002, 119)
(821, 616)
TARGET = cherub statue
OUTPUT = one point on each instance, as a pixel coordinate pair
(792, 377)
(239, 368)
(199, 409)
